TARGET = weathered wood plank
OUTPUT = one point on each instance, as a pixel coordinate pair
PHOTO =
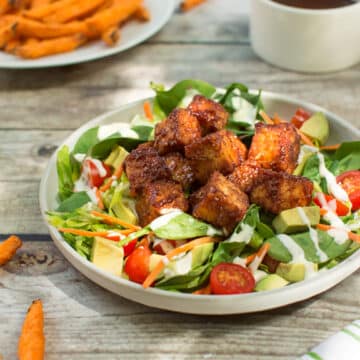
(84, 321)
(65, 98)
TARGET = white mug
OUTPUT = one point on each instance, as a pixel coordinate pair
(306, 40)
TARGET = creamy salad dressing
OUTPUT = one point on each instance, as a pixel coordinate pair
(79, 157)
(188, 98)
(305, 149)
(259, 275)
(245, 111)
(99, 166)
(334, 188)
(297, 253)
(91, 193)
(240, 261)
(313, 235)
(244, 236)
(116, 128)
(164, 219)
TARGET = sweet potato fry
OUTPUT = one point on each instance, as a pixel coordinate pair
(77, 10)
(45, 10)
(7, 33)
(50, 47)
(12, 45)
(111, 36)
(5, 6)
(37, 3)
(120, 11)
(31, 28)
(32, 339)
(8, 248)
(142, 14)
(189, 4)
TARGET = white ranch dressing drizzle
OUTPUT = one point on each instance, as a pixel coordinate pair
(334, 188)
(240, 261)
(123, 129)
(244, 236)
(340, 233)
(91, 193)
(259, 275)
(188, 98)
(305, 149)
(164, 219)
(99, 166)
(79, 157)
(115, 233)
(245, 111)
(184, 265)
(297, 253)
(313, 235)
(211, 231)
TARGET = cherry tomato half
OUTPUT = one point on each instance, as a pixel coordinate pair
(341, 208)
(137, 264)
(227, 278)
(350, 182)
(300, 117)
(93, 172)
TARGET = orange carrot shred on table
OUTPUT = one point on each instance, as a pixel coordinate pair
(330, 147)
(187, 5)
(8, 248)
(114, 220)
(266, 117)
(203, 291)
(352, 236)
(179, 250)
(32, 339)
(148, 111)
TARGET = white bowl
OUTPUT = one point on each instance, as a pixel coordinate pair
(304, 39)
(196, 304)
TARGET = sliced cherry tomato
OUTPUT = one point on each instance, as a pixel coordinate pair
(300, 117)
(93, 172)
(341, 209)
(130, 247)
(137, 264)
(350, 182)
(226, 279)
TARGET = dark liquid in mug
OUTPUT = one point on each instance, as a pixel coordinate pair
(316, 4)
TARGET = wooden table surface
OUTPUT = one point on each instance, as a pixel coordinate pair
(39, 108)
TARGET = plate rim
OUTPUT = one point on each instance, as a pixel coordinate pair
(170, 7)
(344, 269)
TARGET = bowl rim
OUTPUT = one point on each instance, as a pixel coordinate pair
(293, 289)
(310, 12)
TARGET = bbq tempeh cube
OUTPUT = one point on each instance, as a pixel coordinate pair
(180, 169)
(278, 191)
(275, 147)
(179, 129)
(220, 203)
(245, 175)
(211, 115)
(220, 151)
(157, 197)
(144, 165)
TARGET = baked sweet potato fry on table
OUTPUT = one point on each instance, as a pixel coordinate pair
(58, 26)
(32, 339)
(8, 248)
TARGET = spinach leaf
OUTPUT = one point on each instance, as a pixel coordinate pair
(75, 201)
(87, 140)
(168, 100)
(326, 243)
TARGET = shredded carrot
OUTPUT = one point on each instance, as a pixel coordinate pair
(32, 339)
(81, 232)
(277, 119)
(126, 232)
(330, 147)
(323, 212)
(352, 236)
(8, 248)
(305, 139)
(148, 111)
(99, 198)
(259, 254)
(145, 242)
(204, 291)
(187, 5)
(266, 117)
(179, 250)
(117, 174)
(114, 220)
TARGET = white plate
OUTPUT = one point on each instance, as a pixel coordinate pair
(204, 304)
(132, 34)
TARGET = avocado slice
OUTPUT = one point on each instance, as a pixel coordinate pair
(300, 167)
(270, 282)
(116, 157)
(317, 128)
(293, 272)
(106, 255)
(289, 221)
(154, 260)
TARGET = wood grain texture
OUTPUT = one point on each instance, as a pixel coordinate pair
(39, 108)
(84, 321)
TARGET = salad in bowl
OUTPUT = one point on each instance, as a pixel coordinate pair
(205, 193)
